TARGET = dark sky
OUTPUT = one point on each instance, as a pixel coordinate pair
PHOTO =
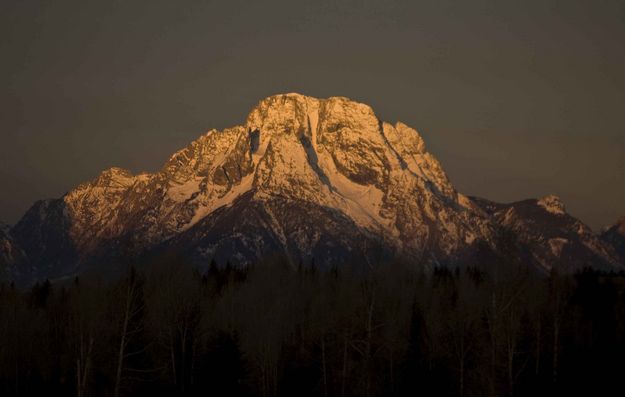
(517, 99)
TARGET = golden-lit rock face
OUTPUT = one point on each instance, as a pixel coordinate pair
(332, 152)
(307, 178)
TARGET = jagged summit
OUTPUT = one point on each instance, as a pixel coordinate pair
(309, 178)
(549, 237)
(552, 203)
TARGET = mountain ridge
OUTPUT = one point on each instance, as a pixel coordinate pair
(615, 236)
(295, 155)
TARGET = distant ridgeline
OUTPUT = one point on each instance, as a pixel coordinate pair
(313, 180)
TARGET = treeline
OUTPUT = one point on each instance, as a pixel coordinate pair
(280, 330)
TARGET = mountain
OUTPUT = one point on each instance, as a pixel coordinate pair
(550, 237)
(12, 258)
(320, 180)
(615, 236)
(43, 234)
(6, 248)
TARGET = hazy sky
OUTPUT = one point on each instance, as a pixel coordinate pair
(516, 99)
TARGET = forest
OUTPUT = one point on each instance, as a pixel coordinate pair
(278, 329)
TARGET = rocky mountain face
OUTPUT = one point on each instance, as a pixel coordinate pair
(43, 234)
(551, 238)
(615, 236)
(312, 179)
(11, 255)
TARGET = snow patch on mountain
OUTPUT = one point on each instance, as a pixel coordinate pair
(557, 244)
(228, 198)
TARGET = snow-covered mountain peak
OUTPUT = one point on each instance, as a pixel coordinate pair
(114, 177)
(286, 113)
(295, 113)
(308, 178)
(298, 114)
(553, 204)
(302, 176)
(343, 136)
(329, 153)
